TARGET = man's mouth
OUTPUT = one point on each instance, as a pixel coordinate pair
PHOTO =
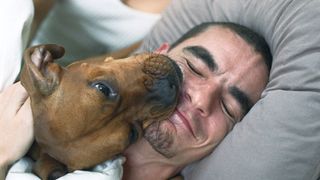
(185, 121)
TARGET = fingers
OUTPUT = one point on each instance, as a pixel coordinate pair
(20, 92)
(11, 100)
(25, 114)
(16, 123)
(25, 119)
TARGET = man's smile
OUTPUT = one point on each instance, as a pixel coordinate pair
(179, 118)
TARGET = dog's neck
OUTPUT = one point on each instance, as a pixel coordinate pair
(143, 162)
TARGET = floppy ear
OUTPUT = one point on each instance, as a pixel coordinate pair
(40, 76)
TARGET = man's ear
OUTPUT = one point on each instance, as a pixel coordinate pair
(163, 49)
(40, 76)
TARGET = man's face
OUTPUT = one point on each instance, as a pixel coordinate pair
(222, 78)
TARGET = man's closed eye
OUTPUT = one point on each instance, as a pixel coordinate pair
(227, 112)
(193, 68)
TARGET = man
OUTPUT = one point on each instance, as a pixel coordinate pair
(225, 69)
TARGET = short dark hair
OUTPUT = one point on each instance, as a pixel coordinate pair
(254, 39)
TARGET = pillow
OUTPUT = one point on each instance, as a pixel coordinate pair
(280, 137)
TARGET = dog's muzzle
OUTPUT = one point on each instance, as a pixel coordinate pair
(165, 79)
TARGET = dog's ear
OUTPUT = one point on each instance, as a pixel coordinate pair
(40, 74)
(163, 49)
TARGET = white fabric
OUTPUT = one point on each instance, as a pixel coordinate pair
(90, 27)
(109, 170)
(85, 28)
(15, 19)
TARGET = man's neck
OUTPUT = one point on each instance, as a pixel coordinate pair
(143, 162)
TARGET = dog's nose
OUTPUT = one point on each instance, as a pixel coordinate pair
(165, 79)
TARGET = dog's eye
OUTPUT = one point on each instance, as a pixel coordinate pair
(134, 134)
(105, 89)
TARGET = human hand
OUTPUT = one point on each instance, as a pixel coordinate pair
(16, 124)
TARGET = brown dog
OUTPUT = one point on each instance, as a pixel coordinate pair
(92, 110)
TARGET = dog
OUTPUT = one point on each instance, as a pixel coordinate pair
(91, 110)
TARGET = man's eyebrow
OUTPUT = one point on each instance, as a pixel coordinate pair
(203, 54)
(242, 98)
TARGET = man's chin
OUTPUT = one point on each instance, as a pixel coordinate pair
(161, 138)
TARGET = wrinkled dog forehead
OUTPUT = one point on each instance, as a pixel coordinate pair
(153, 65)
(96, 68)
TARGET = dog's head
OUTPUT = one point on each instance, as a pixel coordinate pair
(112, 100)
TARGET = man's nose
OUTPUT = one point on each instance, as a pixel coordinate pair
(204, 98)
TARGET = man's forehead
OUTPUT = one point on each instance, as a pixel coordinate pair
(218, 37)
(215, 31)
(255, 81)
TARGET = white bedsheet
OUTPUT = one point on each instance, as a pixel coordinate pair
(15, 18)
(109, 170)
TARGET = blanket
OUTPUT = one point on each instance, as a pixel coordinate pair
(108, 170)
